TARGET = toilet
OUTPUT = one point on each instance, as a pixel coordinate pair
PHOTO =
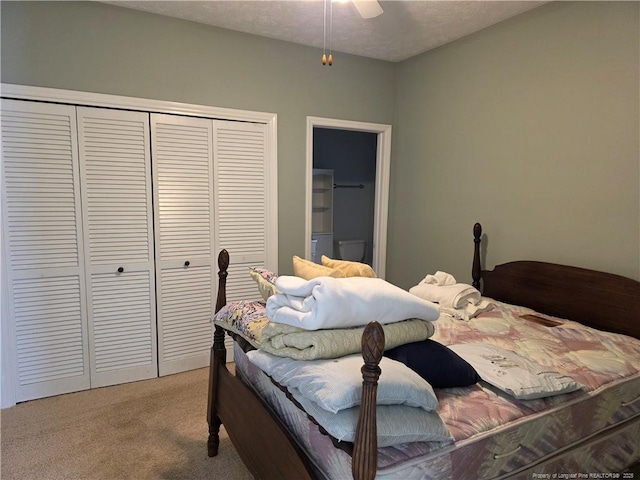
(353, 250)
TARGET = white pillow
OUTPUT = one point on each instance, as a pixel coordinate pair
(520, 377)
(395, 424)
(336, 384)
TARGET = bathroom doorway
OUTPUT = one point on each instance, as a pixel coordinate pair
(357, 155)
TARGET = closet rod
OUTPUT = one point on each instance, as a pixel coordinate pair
(361, 186)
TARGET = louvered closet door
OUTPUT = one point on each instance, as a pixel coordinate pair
(183, 189)
(240, 153)
(118, 236)
(241, 202)
(41, 214)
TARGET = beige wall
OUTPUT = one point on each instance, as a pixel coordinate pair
(530, 127)
(94, 47)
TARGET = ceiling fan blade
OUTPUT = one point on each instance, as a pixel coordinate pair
(367, 8)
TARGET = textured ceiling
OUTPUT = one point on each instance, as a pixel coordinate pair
(406, 28)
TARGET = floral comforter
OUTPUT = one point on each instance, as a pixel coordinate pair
(495, 434)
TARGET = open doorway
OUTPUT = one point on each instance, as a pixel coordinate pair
(342, 215)
(373, 184)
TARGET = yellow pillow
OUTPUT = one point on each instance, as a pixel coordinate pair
(350, 269)
(307, 269)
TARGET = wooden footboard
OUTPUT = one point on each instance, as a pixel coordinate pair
(269, 450)
(262, 441)
(259, 438)
(365, 450)
(263, 444)
(217, 359)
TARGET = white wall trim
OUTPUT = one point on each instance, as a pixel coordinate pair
(26, 92)
(7, 347)
(383, 167)
(272, 193)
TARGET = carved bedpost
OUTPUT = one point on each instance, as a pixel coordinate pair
(223, 265)
(476, 270)
(365, 452)
(218, 358)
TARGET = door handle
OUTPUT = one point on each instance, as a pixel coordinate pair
(187, 263)
(120, 269)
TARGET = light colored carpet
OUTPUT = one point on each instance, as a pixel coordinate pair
(154, 429)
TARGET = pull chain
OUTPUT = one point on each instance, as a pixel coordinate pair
(330, 31)
(324, 35)
(326, 60)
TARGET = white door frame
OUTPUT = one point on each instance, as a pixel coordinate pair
(383, 161)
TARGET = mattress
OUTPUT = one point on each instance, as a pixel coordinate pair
(591, 431)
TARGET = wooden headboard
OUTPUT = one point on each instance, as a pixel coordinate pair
(601, 300)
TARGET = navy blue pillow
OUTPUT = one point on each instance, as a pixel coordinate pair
(441, 367)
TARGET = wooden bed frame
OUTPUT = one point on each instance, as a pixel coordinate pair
(601, 300)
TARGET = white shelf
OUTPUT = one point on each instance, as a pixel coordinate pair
(322, 201)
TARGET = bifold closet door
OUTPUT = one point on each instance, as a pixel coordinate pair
(44, 257)
(115, 170)
(184, 221)
(240, 152)
(241, 202)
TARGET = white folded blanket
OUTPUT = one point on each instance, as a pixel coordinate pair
(327, 302)
(450, 296)
(439, 278)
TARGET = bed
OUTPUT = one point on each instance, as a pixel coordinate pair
(587, 322)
